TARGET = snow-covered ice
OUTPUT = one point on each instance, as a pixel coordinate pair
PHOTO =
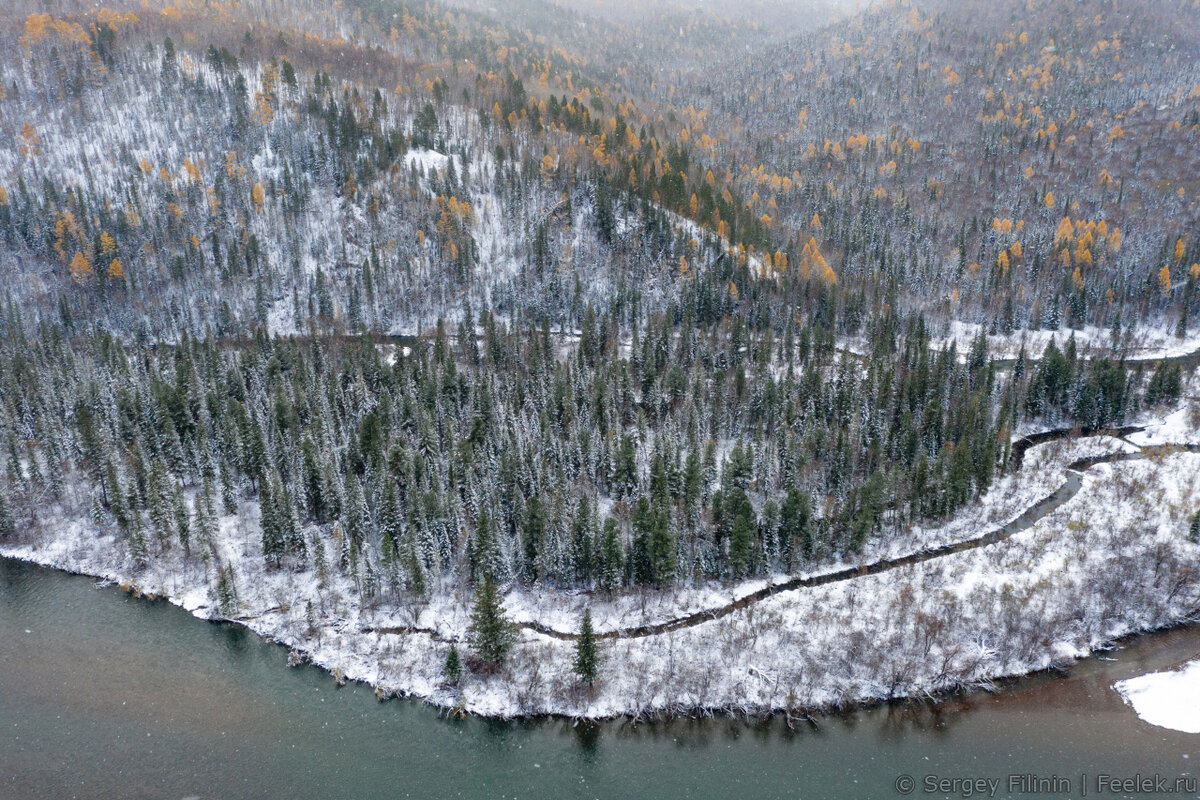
(1166, 699)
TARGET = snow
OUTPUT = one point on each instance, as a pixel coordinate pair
(1110, 561)
(1166, 699)
(1179, 428)
(1146, 342)
(428, 161)
(1151, 342)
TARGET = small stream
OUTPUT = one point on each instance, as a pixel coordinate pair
(106, 695)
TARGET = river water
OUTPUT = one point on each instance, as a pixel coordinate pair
(106, 695)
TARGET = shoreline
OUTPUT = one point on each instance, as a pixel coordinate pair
(407, 665)
(995, 686)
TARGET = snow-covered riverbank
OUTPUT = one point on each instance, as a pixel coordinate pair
(1112, 560)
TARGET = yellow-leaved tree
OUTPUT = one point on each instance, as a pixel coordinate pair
(31, 143)
(81, 268)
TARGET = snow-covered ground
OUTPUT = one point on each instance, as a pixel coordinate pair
(1149, 342)
(1179, 428)
(1166, 699)
(1145, 343)
(1112, 560)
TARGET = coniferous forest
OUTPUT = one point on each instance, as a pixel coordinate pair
(367, 311)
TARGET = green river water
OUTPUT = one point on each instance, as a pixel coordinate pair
(103, 695)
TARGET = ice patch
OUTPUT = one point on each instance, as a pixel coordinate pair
(1166, 699)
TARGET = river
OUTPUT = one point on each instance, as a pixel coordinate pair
(107, 695)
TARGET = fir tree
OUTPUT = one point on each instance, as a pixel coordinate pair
(289, 524)
(587, 661)
(226, 591)
(204, 515)
(272, 532)
(138, 549)
(412, 564)
(8, 524)
(533, 529)
(613, 559)
(485, 551)
(662, 550)
(453, 666)
(183, 526)
(160, 502)
(491, 634)
(795, 527)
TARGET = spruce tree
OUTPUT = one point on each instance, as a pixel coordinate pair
(453, 666)
(159, 501)
(485, 551)
(1194, 531)
(613, 558)
(138, 548)
(491, 634)
(587, 661)
(662, 550)
(8, 525)
(795, 527)
(533, 529)
(272, 530)
(226, 593)
(289, 524)
(205, 515)
(183, 526)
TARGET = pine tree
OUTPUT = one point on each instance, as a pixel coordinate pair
(161, 511)
(453, 666)
(1194, 531)
(485, 551)
(226, 593)
(138, 548)
(204, 515)
(491, 634)
(183, 525)
(613, 558)
(8, 524)
(533, 529)
(272, 533)
(587, 661)
(412, 564)
(795, 528)
(289, 524)
(357, 515)
(662, 550)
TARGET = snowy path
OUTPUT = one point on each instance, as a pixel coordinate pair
(1188, 360)
(1022, 522)
(811, 641)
